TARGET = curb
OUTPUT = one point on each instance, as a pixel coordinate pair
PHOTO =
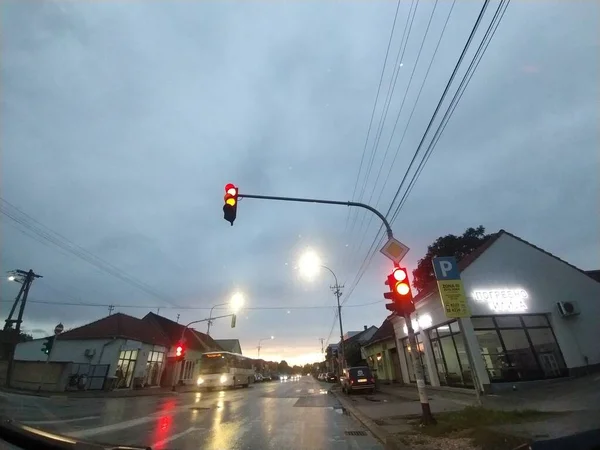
(63, 395)
(385, 437)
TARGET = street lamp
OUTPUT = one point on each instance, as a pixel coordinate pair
(235, 303)
(309, 266)
(261, 340)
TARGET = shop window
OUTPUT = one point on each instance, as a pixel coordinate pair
(154, 367)
(125, 366)
(483, 322)
(508, 322)
(536, 321)
(519, 348)
(451, 359)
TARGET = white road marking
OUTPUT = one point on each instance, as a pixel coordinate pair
(298, 390)
(311, 391)
(124, 425)
(175, 436)
(49, 422)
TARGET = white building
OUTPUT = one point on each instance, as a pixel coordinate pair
(118, 346)
(534, 317)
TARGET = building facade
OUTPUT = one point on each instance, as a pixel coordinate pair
(118, 347)
(381, 354)
(533, 317)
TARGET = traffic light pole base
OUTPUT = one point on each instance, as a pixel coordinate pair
(426, 416)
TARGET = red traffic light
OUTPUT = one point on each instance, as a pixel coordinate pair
(401, 294)
(230, 206)
(231, 189)
(400, 274)
(179, 351)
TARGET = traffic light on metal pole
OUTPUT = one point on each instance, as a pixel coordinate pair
(400, 293)
(47, 345)
(231, 200)
(179, 352)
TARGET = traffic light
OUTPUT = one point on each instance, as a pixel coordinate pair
(233, 320)
(47, 346)
(231, 200)
(400, 293)
(179, 352)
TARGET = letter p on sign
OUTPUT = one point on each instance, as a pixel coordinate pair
(446, 268)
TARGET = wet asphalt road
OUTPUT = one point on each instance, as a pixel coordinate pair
(295, 415)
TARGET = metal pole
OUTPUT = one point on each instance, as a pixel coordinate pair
(426, 417)
(471, 363)
(48, 359)
(326, 202)
(210, 317)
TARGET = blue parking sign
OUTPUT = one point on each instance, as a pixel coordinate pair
(446, 268)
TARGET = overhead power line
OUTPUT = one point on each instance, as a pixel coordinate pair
(30, 224)
(489, 34)
(501, 9)
(387, 149)
(190, 308)
(387, 52)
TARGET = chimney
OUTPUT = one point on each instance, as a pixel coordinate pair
(365, 327)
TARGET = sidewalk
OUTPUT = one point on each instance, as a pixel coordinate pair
(522, 417)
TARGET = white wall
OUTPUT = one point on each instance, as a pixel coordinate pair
(106, 352)
(510, 263)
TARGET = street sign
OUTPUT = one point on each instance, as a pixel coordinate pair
(394, 250)
(451, 287)
(58, 329)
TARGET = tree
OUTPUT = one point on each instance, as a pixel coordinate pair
(283, 367)
(352, 354)
(449, 245)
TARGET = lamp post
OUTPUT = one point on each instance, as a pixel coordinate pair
(310, 263)
(261, 340)
(236, 303)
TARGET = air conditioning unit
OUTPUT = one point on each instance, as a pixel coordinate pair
(90, 352)
(567, 309)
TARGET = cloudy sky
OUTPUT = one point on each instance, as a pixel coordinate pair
(121, 122)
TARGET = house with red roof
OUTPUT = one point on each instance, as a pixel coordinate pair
(121, 349)
(530, 316)
(194, 342)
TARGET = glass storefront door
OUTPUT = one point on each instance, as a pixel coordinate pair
(450, 355)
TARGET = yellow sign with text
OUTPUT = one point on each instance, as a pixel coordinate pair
(454, 298)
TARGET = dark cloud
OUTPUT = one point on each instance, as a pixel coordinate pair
(122, 122)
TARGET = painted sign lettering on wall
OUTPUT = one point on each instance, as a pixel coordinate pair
(503, 300)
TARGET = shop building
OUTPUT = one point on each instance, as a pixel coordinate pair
(533, 317)
(381, 354)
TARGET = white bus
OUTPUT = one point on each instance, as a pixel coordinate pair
(224, 369)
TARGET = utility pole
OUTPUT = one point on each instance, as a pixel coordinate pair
(337, 290)
(110, 309)
(26, 279)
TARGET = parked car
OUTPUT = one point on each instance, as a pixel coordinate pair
(358, 379)
(258, 378)
(331, 377)
(267, 377)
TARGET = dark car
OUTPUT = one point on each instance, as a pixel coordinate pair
(331, 377)
(358, 379)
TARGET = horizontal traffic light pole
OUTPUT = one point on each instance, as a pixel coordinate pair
(326, 202)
